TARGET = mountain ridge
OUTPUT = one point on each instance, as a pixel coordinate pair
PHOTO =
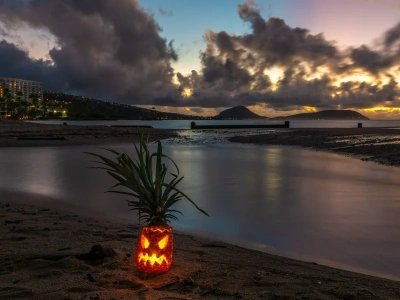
(238, 112)
(330, 114)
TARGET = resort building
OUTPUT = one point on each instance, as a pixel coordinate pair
(26, 87)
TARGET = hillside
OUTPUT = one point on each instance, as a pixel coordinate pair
(327, 115)
(237, 112)
(83, 108)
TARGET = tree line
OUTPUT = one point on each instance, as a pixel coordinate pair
(17, 107)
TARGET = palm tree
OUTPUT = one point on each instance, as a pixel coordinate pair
(2, 107)
(21, 104)
(9, 102)
(35, 102)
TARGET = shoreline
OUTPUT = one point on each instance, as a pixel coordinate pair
(206, 269)
(42, 246)
(67, 135)
(378, 145)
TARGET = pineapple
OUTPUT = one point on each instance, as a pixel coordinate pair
(154, 197)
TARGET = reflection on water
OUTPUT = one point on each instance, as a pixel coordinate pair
(185, 124)
(298, 202)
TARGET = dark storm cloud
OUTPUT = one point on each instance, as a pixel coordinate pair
(370, 60)
(18, 64)
(108, 49)
(113, 50)
(392, 36)
(278, 44)
(234, 66)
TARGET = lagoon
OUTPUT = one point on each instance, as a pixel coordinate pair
(185, 124)
(305, 204)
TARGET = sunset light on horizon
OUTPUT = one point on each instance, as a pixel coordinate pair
(277, 57)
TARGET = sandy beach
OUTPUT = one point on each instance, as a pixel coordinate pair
(52, 250)
(46, 254)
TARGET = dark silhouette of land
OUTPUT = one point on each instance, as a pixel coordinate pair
(237, 113)
(84, 108)
(326, 115)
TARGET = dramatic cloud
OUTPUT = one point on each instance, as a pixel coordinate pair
(113, 50)
(315, 72)
(108, 49)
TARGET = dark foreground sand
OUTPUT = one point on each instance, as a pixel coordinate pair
(380, 145)
(42, 256)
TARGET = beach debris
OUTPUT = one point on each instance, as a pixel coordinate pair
(63, 249)
(129, 284)
(31, 213)
(12, 222)
(213, 245)
(184, 285)
(91, 278)
(97, 254)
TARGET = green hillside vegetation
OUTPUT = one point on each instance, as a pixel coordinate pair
(83, 108)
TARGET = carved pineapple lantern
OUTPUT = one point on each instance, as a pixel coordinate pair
(154, 196)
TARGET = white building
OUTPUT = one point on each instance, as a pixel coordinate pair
(26, 87)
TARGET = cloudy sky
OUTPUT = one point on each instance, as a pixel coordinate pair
(277, 57)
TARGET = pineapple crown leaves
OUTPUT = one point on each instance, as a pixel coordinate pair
(154, 195)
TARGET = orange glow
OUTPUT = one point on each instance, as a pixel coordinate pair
(187, 92)
(154, 249)
(275, 74)
(381, 109)
(163, 242)
(144, 241)
(152, 259)
(310, 109)
(359, 77)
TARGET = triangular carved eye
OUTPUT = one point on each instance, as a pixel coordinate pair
(144, 242)
(163, 242)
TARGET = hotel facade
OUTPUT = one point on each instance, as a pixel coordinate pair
(26, 87)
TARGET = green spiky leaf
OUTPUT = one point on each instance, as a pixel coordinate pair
(153, 194)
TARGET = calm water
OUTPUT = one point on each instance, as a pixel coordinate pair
(312, 205)
(185, 124)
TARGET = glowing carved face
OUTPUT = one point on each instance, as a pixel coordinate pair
(154, 249)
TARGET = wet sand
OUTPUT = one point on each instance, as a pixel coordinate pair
(23, 134)
(43, 257)
(380, 145)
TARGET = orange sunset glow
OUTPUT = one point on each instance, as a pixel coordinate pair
(274, 59)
